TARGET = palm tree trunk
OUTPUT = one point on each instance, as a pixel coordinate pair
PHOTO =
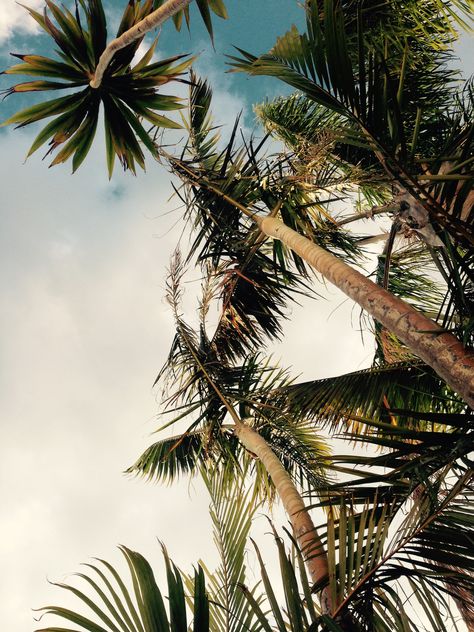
(150, 22)
(439, 349)
(303, 527)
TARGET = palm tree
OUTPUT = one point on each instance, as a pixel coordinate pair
(365, 76)
(232, 421)
(222, 186)
(360, 69)
(386, 572)
(386, 393)
(103, 75)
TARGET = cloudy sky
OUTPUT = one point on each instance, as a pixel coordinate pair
(85, 330)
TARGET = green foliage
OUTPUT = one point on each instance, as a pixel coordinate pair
(208, 393)
(373, 68)
(232, 511)
(222, 186)
(354, 401)
(377, 113)
(130, 92)
(205, 8)
(139, 609)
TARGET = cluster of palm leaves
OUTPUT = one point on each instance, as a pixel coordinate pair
(378, 122)
(129, 94)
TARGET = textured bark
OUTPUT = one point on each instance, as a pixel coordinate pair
(303, 527)
(440, 350)
(157, 17)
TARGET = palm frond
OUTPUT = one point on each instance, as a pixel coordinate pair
(369, 67)
(168, 459)
(232, 511)
(353, 400)
(382, 539)
(304, 125)
(299, 612)
(141, 608)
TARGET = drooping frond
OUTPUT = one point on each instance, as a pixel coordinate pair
(168, 459)
(349, 401)
(111, 605)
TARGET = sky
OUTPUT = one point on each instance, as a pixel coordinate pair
(85, 330)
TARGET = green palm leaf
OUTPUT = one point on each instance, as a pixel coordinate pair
(205, 8)
(357, 399)
(232, 510)
(141, 608)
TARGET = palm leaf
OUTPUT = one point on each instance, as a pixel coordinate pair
(140, 608)
(372, 394)
(232, 511)
(205, 8)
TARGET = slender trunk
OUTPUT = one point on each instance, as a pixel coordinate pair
(150, 22)
(439, 349)
(303, 527)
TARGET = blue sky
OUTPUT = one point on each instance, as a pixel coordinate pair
(85, 330)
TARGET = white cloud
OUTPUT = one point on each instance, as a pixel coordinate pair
(85, 331)
(14, 18)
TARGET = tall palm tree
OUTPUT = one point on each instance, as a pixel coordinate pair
(386, 393)
(364, 76)
(233, 421)
(223, 186)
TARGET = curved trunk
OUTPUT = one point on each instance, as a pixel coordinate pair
(304, 530)
(440, 350)
(157, 17)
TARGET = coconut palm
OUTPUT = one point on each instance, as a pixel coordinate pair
(358, 403)
(365, 76)
(360, 68)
